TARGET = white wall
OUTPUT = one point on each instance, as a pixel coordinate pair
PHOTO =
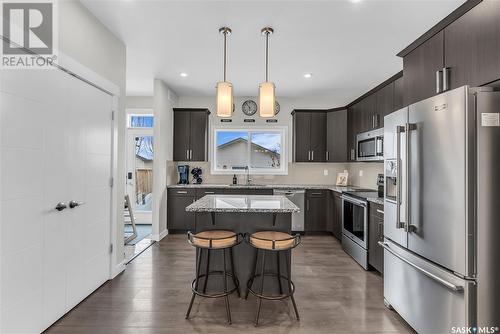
(164, 101)
(86, 40)
(139, 102)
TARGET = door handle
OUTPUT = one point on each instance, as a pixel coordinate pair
(399, 130)
(438, 279)
(74, 204)
(439, 81)
(60, 206)
(446, 78)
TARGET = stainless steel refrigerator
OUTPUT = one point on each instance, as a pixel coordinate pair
(442, 211)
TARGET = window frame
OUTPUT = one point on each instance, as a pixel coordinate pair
(282, 130)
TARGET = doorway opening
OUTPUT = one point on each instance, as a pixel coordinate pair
(138, 228)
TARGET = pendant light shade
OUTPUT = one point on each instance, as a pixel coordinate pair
(267, 89)
(266, 99)
(224, 89)
(224, 99)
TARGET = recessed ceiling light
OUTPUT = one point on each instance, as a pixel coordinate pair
(355, 1)
(183, 74)
(308, 75)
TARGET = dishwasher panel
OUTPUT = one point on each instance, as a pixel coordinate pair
(298, 198)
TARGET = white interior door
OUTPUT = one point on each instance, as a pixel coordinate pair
(55, 142)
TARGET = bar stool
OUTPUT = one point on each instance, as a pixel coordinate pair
(210, 241)
(279, 242)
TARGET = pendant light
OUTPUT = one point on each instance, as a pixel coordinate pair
(266, 89)
(224, 99)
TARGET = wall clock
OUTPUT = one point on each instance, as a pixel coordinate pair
(249, 107)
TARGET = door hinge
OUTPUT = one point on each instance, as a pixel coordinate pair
(111, 248)
(111, 182)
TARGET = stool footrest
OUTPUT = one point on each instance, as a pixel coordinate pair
(215, 295)
(269, 297)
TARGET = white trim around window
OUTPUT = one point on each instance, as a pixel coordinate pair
(278, 159)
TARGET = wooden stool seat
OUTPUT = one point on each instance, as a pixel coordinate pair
(272, 240)
(215, 239)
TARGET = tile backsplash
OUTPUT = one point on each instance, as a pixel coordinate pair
(360, 174)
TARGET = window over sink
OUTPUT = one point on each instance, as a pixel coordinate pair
(261, 150)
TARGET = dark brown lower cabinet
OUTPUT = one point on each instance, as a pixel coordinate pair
(376, 234)
(337, 215)
(316, 211)
(177, 217)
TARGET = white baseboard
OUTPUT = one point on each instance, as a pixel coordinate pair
(118, 269)
(158, 237)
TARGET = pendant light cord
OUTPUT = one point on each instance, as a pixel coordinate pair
(267, 56)
(225, 51)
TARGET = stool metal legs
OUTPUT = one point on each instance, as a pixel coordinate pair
(205, 275)
(261, 287)
(198, 261)
(283, 294)
(289, 274)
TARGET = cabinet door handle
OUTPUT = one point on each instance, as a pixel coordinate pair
(373, 121)
(307, 205)
(327, 155)
(446, 78)
(187, 154)
(439, 81)
(380, 211)
(312, 155)
(182, 192)
(209, 192)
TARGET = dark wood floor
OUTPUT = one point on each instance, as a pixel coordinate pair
(334, 295)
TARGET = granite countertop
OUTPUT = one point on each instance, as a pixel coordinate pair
(243, 203)
(266, 186)
(376, 200)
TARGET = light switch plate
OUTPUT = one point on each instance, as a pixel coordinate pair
(325, 172)
(360, 172)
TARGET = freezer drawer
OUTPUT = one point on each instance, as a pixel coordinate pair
(429, 298)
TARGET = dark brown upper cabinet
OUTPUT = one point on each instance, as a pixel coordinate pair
(472, 46)
(190, 134)
(384, 104)
(336, 136)
(420, 67)
(399, 100)
(310, 135)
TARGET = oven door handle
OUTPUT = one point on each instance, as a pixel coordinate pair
(353, 201)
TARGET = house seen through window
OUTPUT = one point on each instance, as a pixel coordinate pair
(259, 150)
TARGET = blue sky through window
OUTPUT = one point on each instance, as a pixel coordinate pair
(224, 137)
(268, 140)
(137, 121)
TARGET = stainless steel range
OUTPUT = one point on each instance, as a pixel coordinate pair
(355, 224)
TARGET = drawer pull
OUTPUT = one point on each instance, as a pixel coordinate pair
(182, 192)
(209, 192)
(380, 211)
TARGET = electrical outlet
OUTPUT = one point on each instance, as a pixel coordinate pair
(325, 172)
(360, 173)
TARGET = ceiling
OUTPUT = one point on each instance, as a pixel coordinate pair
(349, 47)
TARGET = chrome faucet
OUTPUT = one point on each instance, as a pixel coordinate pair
(249, 179)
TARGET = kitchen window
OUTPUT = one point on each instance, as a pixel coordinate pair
(263, 151)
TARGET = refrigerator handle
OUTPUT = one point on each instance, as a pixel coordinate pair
(399, 130)
(408, 226)
(438, 279)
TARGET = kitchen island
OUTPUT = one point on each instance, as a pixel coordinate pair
(244, 214)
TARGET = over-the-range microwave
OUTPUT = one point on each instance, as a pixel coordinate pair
(370, 145)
